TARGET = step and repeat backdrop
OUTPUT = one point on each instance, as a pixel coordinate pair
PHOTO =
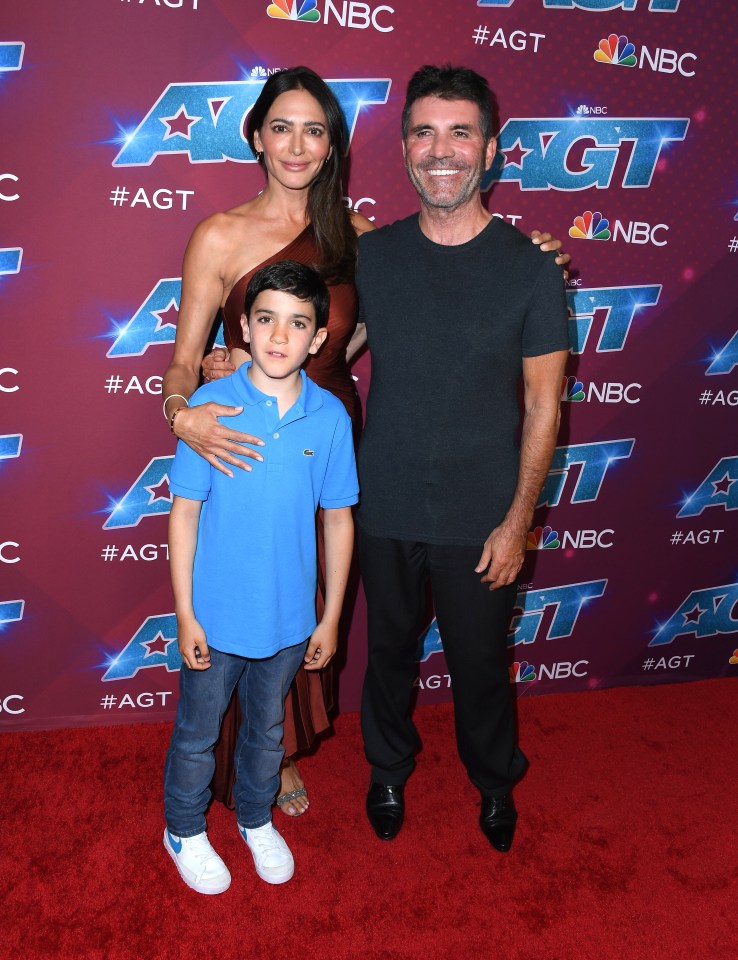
(123, 126)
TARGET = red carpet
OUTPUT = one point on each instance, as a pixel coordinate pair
(625, 850)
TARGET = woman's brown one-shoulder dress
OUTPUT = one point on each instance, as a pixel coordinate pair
(311, 696)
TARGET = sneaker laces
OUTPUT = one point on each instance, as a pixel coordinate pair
(267, 843)
(201, 851)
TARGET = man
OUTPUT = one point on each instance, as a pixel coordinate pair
(457, 305)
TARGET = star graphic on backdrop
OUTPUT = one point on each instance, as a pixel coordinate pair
(724, 484)
(693, 615)
(159, 644)
(166, 317)
(160, 491)
(179, 124)
(515, 154)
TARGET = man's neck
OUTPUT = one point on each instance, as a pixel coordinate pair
(451, 227)
(285, 389)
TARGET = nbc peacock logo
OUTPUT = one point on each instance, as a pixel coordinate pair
(304, 10)
(572, 390)
(522, 672)
(590, 226)
(616, 50)
(543, 538)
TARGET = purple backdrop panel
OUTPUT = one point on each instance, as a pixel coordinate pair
(125, 127)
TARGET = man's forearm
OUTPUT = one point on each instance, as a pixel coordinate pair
(538, 442)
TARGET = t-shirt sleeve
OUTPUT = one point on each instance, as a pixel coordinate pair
(546, 326)
(341, 484)
(190, 474)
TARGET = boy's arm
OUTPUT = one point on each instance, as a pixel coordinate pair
(338, 529)
(183, 522)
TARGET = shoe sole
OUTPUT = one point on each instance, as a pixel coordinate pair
(209, 891)
(269, 877)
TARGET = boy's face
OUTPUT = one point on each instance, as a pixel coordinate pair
(281, 333)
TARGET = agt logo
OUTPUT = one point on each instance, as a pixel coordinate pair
(546, 538)
(572, 391)
(657, 6)
(148, 496)
(153, 645)
(205, 120)
(11, 611)
(592, 226)
(10, 260)
(566, 602)
(523, 672)
(595, 459)
(725, 360)
(704, 613)
(172, 4)
(718, 489)
(617, 306)
(535, 152)
(619, 52)
(11, 55)
(349, 13)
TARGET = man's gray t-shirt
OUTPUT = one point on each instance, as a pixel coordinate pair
(448, 327)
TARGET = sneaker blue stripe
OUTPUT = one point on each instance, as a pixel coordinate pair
(175, 844)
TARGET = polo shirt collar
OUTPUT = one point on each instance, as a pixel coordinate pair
(309, 400)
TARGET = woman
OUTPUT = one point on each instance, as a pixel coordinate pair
(297, 132)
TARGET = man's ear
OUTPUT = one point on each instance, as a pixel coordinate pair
(245, 328)
(318, 340)
(490, 152)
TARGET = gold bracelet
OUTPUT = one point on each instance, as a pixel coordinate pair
(171, 420)
(170, 397)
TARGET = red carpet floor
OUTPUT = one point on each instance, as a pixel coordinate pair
(626, 846)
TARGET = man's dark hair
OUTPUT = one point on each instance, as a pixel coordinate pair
(450, 83)
(297, 279)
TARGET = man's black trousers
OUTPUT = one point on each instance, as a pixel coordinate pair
(473, 624)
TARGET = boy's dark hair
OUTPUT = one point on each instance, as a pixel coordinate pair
(297, 279)
(450, 83)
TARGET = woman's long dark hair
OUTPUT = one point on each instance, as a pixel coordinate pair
(334, 235)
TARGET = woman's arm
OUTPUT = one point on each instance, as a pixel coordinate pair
(202, 292)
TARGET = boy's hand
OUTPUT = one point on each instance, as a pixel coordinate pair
(322, 647)
(193, 647)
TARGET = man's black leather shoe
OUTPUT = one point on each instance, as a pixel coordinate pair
(385, 807)
(497, 820)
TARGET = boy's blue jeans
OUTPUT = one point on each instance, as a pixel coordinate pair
(203, 698)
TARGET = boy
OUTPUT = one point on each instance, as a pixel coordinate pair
(243, 563)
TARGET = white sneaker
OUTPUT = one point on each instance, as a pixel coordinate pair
(199, 865)
(272, 857)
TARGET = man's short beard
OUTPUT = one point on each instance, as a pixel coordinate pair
(469, 189)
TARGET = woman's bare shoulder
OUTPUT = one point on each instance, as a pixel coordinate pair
(223, 230)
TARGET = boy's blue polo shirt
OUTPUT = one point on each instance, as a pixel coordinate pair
(255, 571)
